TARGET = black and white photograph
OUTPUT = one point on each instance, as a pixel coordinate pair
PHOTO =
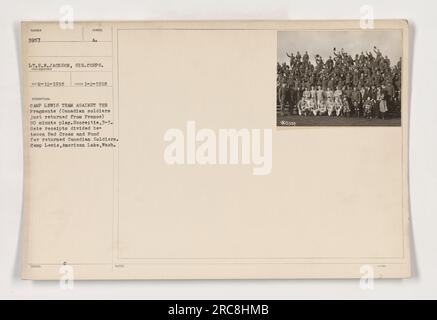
(339, 78)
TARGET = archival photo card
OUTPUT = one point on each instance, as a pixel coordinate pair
(166, 150)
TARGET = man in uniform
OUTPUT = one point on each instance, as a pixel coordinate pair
(356, 101)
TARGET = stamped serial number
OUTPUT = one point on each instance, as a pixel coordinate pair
(288, 123)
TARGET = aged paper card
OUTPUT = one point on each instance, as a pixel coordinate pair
(216, 150)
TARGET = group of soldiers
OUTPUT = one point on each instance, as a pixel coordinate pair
(365, 86)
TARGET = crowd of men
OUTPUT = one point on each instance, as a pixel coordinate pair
(366, 85)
